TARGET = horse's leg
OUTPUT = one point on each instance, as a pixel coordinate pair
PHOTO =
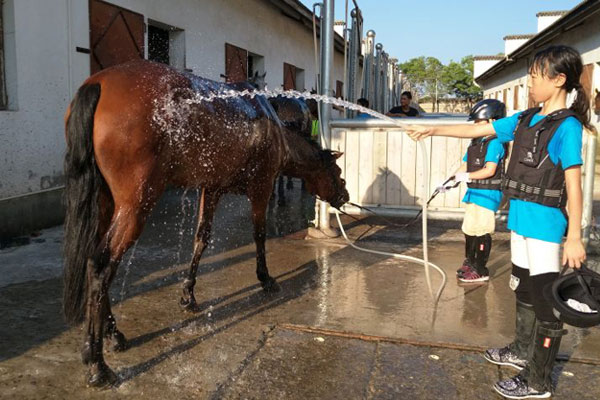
(280, 191)
(208, 205)
(125, 227)
(115, 338)
(260, 200)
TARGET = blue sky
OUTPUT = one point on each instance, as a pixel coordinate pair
(448, 29)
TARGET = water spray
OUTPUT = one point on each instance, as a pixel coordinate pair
(252, 93)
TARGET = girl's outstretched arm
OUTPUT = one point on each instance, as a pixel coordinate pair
(574, 252)
(418, 132)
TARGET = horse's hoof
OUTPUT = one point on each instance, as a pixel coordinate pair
(271, 286)
(189, 305)
(101, 376)
(117, 342)
(86, 353)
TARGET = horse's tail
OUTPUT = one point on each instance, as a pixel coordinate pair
(83, 184)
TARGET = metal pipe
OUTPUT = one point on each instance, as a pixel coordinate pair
(588, 186)
(327, 33)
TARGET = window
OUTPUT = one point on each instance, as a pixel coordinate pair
(256, 63)
(2, 85)
(166, 44)
(504, 97)
(516, 98)
(158, 44)
(339, 89)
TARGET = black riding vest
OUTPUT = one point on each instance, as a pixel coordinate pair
(476, 160)
(531, 174)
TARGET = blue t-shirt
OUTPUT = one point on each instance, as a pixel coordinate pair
(487, 198)
(362, 116)
(531, 219)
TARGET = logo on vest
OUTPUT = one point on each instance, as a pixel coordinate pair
(529, 157)
(477, 161)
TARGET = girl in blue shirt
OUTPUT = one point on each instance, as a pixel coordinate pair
(482, 170)
(544, 171)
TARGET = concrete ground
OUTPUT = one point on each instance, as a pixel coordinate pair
(346, 324)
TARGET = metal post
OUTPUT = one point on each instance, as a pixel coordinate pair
(368, 67)
(326, 68)
(588, 187)
(355, 36)
(377, 84)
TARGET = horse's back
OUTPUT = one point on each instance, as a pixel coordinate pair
(153, 117)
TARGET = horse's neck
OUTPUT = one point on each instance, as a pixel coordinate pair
(303, 158)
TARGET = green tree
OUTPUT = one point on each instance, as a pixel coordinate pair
(458, 79)
(425, 74)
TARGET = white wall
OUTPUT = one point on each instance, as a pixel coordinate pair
(46, 72)
(47, 32)
(511, 45)
(480, 66)
(544, 21)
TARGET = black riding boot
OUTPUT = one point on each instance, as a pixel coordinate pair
(483, 247)
(517, 353)
(535, 381)
(469, 262)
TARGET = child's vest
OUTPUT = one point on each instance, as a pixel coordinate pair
(531, 174)
(476, 160)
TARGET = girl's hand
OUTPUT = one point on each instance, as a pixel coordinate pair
(573, 253)
(418, 132)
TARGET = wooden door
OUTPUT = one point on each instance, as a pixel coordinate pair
(289, 77)
(116, 35)
(236, 63)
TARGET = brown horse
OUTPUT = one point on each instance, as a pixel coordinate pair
(132, 130)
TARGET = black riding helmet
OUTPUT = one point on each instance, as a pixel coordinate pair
(575, 297)
(487, 109)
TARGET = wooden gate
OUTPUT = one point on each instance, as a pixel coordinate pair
(116, 35)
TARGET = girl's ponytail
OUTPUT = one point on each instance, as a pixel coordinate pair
(581, 106)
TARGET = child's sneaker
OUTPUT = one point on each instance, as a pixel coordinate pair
(466, 267)
(472, 276)
(505, 356)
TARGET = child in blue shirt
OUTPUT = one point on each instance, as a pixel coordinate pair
(483, 170)
(544, 171)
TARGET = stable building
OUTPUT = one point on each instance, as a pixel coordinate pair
(48, 48)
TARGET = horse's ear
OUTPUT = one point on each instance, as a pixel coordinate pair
(337, 154)
(255, 74)
(263, 75)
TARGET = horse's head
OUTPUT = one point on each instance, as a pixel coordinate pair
(326, 181)
(258, 81)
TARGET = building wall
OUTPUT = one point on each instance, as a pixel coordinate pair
(480, 66)
(544, 21)
(44, 70)
(511, 45)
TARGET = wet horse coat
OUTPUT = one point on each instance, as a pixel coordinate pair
(132, 130)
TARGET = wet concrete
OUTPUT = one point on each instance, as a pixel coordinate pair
(246, 344)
